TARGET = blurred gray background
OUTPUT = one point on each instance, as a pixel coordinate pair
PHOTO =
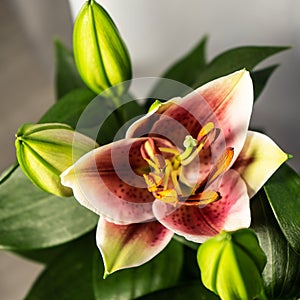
(156, 33)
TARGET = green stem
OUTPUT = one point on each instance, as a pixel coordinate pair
(6, 174)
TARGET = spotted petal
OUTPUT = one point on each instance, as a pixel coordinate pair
(108, 180)
(126, 246)
(198, 224)
(258, 160)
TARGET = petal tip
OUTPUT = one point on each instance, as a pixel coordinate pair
(106, 274)
(259, 159)
(66, 177)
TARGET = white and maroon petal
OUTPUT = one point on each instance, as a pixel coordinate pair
(236, 204)
(231, 100)
(108, 180)
(258, 160)
(126, 246)
(227, 102)
(198, 224)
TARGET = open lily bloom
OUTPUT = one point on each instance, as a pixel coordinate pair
(188, 167)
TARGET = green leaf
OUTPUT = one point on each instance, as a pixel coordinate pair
(119, 120)
(282, 271)
(185, 71)
(44, 256)
(47, 255)
(260, 79)
(67, 78)
(193, 70)
(132, 110)
(69, 277)
(161, 272)
(283, 192)
(96, 114)
(69, 108)
(235, 59)
(190, 269)
(72, 274)
(33, 219)
(191, 290)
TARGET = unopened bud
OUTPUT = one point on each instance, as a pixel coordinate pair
(44, 151)
(100, 53)
(231, 265)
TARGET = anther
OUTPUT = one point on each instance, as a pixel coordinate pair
(167, 196)
(150, 151)
(153, 181)
(204, 198)
(205, 130)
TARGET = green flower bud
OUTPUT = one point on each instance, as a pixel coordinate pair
(100, 53)
(231, 265)
(44, 151)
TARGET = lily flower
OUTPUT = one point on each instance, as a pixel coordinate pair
(188, 167)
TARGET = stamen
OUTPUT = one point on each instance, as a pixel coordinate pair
(167, 196)
(219, 167)
(203, 198)
(212, 136)
(150, 152)
(169, 150)
(159, 161)
(174, 175)
(150, 147)
(205, 130)
(153, 181)
(153, 165)
(221, 164)
(168, 171)
(166, 180)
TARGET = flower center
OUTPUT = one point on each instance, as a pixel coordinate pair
(166, 179)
